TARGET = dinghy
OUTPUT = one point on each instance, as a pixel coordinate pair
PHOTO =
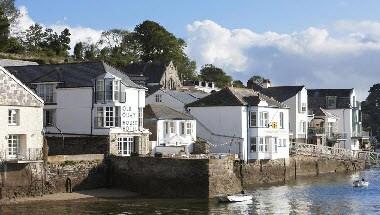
(360, 183)
(235, 198)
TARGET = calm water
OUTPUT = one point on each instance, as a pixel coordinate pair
(331, 194)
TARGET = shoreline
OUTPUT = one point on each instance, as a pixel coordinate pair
(105, 193)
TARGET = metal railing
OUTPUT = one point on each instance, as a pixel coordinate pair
(30, 154)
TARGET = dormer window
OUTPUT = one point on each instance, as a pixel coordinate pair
(109, 90)
(331, 102)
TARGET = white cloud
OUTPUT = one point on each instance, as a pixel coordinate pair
(313, 57)
(78, 33)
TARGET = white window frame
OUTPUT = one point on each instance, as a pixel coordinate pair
(261, 144)
(13, 117)
(189, 128)
(52, 117)
(46, 92)
(171, 127)
(253, 119)
(253, 145)
(116, 90)
(264, 119)
(141, 118)
(281, 119)
(13, 145)
(329, 104)
(303, 107)
(125, 146)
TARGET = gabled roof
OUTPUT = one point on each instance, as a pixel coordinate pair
(280, 93)
(158, 111)
(69, 75)
(153, 71)
(235, 97)
(317, 98)
(18, 82)
(185, 97)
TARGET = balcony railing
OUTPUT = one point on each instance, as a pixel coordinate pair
(107, 122)
(30, 154)
(315, 131)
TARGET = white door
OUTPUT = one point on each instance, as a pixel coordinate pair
(125, 146)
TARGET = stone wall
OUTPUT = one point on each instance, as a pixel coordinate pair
(223, 178)
(78, 145)
(283, 170)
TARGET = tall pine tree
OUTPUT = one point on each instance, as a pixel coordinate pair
(4, 30)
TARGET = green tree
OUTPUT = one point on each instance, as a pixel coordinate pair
(238, 83)
(211, 73)
(371, 111)
(34, 38)
(9, 9)
(157, 44)
(257, 78)
(79, 51)
(4, 30)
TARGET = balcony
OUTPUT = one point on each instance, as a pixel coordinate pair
(29, 155)
(316, 131)
(107, 122)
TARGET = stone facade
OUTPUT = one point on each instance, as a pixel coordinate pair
(13, 93)
(170, 78)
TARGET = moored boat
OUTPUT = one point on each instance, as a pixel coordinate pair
(361, 183)
(235, 198)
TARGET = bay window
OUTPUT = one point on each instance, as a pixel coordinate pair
(46, 92)
(107, 117)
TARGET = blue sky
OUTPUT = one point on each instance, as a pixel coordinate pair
(316, 43)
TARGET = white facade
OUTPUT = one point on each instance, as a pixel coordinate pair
(241, 135)
(176, 133)
(298, 116)
(21, 125)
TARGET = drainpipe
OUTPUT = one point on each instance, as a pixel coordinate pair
(248, 146)
(92, 107)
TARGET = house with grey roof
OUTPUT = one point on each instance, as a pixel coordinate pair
(21, 129)
(89, 99)
(155, 75)
(243, 122)
(295, 97)
(175, 99)
(343, 105)
(172, 131)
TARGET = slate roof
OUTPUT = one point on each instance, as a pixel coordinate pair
(186, 97)
(280, 93)
(159, 111)
(317, 98)
(235, 97)
(153, 71)
(69, 75)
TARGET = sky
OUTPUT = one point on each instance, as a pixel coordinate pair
(319, 44)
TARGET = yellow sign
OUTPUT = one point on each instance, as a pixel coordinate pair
(274, 124)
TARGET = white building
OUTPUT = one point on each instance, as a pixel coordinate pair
(171, 131)
(87, 99)
(21, 125)
(322, 128)
(243, 122)
(341, 103)
(175, 99)
(205, 86)
(295, 97)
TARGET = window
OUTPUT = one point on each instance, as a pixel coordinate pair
(266, 143)
(279, 142)
(13, 117)
(303, 107)
(302, 127)
(183, 128)
(189, 128)
(284, 142)
(13, 145)
(46, 92)
(253, 144)
(169, 127)
(125, 146)
(141, 120)
(275, 145)
(108, 89)
(261, 144)
(331, 102)
(116, 90)
(158, 98)
(100, 90)
(49, 117)
(253, 119)
(107, 117)
(264, 119)
(281, 120)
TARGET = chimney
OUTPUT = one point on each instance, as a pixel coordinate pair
(266, 83)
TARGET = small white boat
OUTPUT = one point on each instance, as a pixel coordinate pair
(235, 198)
(360, 183)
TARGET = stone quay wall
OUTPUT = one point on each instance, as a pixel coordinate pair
(78, 145)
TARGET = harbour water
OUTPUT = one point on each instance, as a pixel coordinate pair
(328, 194)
